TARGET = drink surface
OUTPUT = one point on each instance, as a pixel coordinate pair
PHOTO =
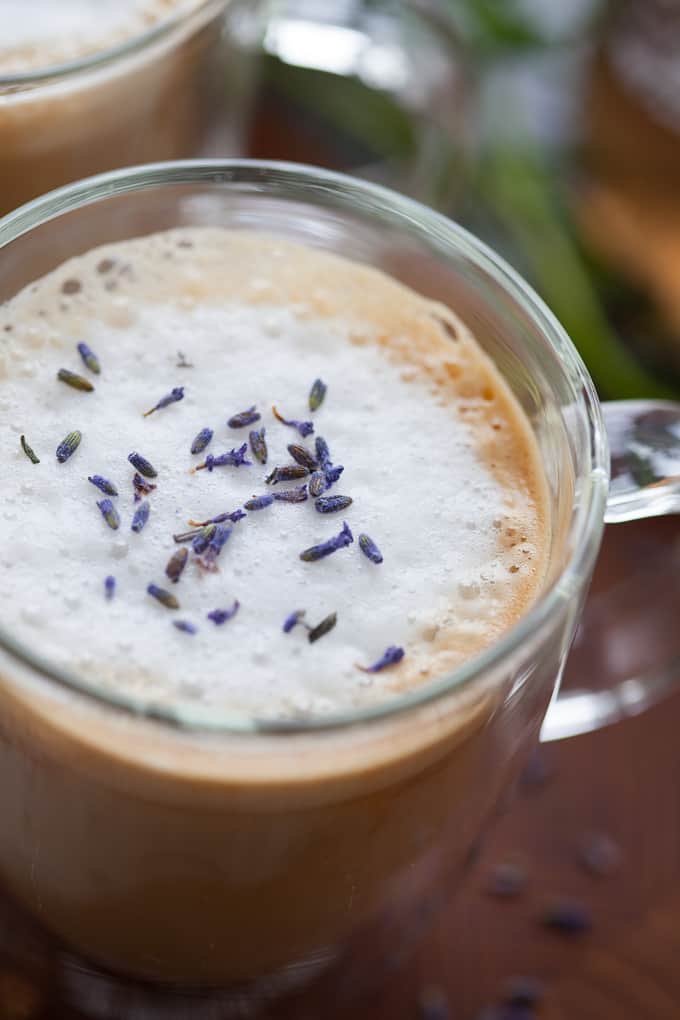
(438, 461)
(37, 34)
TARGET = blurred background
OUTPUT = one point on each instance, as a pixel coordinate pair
(551, 128)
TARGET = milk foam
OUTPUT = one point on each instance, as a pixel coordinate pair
(443, 475)
(41, 33)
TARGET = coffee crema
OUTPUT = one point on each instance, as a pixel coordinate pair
(439, 462)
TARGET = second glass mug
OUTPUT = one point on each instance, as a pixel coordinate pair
(191, 848)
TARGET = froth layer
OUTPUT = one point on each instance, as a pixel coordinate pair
(438, 460)
(38, 34)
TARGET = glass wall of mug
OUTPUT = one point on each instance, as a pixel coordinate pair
(192, 847)
(171, 91)
(381, 89)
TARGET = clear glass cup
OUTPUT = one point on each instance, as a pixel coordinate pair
(381, 89)
(194, 848)
(168, 93)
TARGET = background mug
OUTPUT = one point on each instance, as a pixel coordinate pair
(191, 848)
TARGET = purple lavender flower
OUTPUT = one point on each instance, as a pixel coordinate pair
(215, 546)
(202, 540)
(142, 465)
(109, 587)
(141, 516)
(68, 446)
(323, 454)
(390, 657)
(297, 495)
(317, 483)
(331, 545)
(109, 513)
(172, 397)
(332, 504)
(89, 357)
(234, 458)
(220, 616)
(332, 473)
(287, 473)
(258, 444)
(247, 417)
(234, 516)
(317, 394)
(166, 598)
(259, 502)
(176, 564)
(141, 486)
(103, 484)
(301, 455)
(370, 549)
(292, 620)
(201, 440)
(185, 626)
(305, 428)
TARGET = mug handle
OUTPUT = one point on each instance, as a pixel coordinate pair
(644, 442)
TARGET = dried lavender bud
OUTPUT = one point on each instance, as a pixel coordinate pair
(166, 598)
(600, 855)
(90, 358)
(141, 487)
(317, 394)
(292, 620)
(182, 361)
(68, 446)
(332, 474)
(234, 516)
(185, 626)
(176, 564)
(202, 540)
(317, 483)
(215, 546)
(30, 453)
(287, 473)
(331, 545)
(370, 549)
(298, 495)
(331, 504)
(220, 616)
(109, 587)
(258, 444)
(302, 456)
(141, 516)
(305, 428)
(248, 417)
(390, 657)
(567, 918)
(103, 484)
(201, 441)
(109, 513)
(142, 465)
(323, 454)
(259, 502)
(172, 397)
(507, 880)
(75, 381)
(322, 628)
(234, 458)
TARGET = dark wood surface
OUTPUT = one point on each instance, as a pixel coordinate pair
(623, 783)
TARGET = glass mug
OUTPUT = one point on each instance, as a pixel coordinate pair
(159, 95)
(190, 848)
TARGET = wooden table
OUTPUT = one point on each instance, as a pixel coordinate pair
(624, 782)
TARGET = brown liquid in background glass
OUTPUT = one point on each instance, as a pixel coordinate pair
(166, 100)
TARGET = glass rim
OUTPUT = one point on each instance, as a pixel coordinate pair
(55, 73)
(357, 195)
